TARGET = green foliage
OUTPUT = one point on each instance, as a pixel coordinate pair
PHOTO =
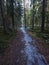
(47, 14)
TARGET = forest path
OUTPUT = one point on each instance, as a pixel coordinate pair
(22, 51)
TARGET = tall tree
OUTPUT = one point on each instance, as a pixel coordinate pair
(43, 16)
(12, 12)
(2, 14)
(32, 18)
(24, 15)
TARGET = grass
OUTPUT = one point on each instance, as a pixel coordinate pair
(4, 40)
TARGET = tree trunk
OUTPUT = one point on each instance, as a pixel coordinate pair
(32, 21)
(43, 16)
(33, 17)
(2, 15)
(12, 9)
(24, 15)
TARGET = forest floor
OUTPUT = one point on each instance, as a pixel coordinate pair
(42, 46)
(24, 49)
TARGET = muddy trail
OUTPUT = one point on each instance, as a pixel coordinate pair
(31, 51)
(22, 51)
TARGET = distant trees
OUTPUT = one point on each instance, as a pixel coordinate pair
(3, 16)
(10, 11)
(40, 6)
(18, 13)
(33, 12)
